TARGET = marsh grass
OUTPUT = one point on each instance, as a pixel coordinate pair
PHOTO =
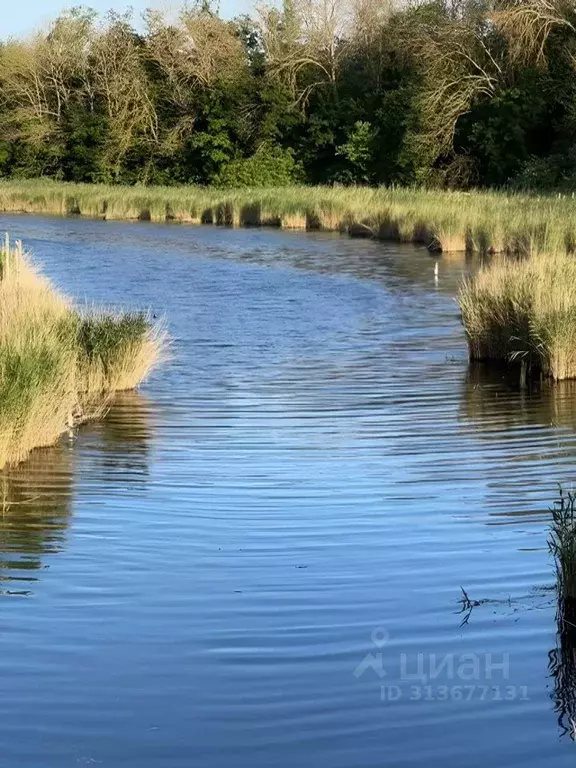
(562, 670)
(117, 351)
(520, 309)
(562, 545)
(523, 311)
(562, 659)
(59, 365)
(485, 222)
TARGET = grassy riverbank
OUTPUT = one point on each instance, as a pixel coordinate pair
(58, 364)
(483, 222)
(518, 309)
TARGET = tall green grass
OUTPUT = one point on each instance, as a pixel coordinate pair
(562, 544)
(58, 363)
(485, 222)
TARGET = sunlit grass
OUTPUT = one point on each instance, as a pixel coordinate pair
(59, 364)
(524, 311)
(487, 222)
(522, 308)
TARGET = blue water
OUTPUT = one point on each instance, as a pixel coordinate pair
(311, 479)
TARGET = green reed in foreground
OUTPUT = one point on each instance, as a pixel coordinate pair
(485, 222)
(562, 544)
(562, 659)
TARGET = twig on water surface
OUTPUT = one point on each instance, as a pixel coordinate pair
(468, 606)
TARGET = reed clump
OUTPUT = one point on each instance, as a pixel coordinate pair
(59, 364)
(523, 311)
(448, 221)
(562, 658)
(562, 547)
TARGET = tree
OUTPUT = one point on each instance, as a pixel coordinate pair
(306, 43)
(37, 78)
(120, 84)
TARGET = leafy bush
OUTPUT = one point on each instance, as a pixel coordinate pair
(358, 152)
(541, 173)
(269, 166)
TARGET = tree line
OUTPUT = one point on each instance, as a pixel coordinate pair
(453, 93)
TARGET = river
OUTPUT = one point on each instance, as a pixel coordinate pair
(257, 559)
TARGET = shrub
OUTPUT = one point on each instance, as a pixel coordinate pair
(269, 166)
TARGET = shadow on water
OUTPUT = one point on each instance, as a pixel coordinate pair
(500, 409)
(35, 507)
(122, 440)
(36, 497)
(527, 436)
(526, 439)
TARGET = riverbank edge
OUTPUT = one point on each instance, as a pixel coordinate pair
(442, 221)
(60, 365)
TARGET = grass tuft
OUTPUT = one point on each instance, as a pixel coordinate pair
(58, 365)
(523, 311)
(562, 659)
(562, 543)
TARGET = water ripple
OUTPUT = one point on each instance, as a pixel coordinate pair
(195, 580)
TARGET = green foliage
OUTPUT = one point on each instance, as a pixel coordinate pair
(358, 151)
(539, 173)
(503, 133)
(209, 151)
(4, 158)
(269, 166)
(432, 93)
(85, 141)
(556, 171)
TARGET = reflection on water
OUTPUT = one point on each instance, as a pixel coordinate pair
(315, 463)
(123, 438)
(524, 435)
(517, 421)
(494, 400)
(36, 506)
(377, 261)
(562, 667)
(36, 496)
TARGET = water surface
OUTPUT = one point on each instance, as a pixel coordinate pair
(312, 478)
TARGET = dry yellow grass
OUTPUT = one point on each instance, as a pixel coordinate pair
(524, 310)
(293, 221)
(58, 366)
(486, 222)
